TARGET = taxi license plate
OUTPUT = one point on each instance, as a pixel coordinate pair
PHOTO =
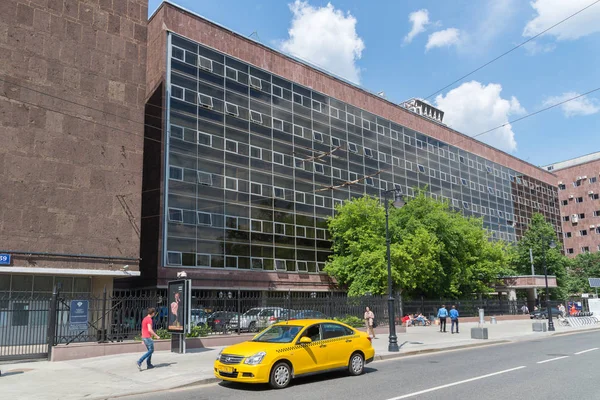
(227, 370)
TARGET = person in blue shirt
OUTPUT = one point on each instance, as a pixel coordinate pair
(454, 319)
(442, 315)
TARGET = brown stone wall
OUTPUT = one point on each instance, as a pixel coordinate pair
(200, 30)
(72, 90)
(567, 176)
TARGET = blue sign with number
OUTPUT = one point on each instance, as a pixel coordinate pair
(4, 259)
(78, 316)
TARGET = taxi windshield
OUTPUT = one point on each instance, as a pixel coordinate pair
(278, 334)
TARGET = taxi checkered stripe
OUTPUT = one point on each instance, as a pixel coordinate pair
(317, 343)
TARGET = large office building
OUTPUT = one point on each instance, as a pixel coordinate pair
(72, 95)
(579, 196)
(249, 151)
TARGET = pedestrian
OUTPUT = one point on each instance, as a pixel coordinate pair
(454, 319)
(442, 315)
(561, 308)
(525, 309)
(369, 318)
(147, 334)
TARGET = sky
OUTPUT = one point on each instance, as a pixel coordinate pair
(413, 49)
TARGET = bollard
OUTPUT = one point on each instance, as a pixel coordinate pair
(481, 316)
(493, 320)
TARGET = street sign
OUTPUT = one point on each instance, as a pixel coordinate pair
(78, 315)
(4, 259)
(594, 282)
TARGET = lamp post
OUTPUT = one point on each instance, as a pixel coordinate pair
(551, 244)
(398, 203)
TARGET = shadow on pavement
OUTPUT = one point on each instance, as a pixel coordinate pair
(200, 350)
(296, 382)
(4, 374)
(162, 365)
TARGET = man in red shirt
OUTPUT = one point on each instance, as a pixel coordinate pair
(147, 334)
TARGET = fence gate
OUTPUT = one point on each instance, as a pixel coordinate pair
(23, 326)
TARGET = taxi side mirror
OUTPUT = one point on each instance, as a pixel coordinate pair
(305, 340)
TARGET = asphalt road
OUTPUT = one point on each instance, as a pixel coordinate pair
(561, 367)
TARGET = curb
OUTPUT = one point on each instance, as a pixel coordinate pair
(200, 382)
(428, 351)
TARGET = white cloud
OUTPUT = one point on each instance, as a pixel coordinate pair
(473, 108)
(549, 12)
(533, 48)
(326, 37)
(577, 107)
(446, 38)
(419, 20)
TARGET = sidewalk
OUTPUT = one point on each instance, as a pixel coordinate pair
(114, 376)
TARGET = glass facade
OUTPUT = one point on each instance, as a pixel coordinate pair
(257, 163)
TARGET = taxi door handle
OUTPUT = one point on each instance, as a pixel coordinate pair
(348, 340)
(323, 345)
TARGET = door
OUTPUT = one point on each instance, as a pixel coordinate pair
(340, 343)
(310, 357)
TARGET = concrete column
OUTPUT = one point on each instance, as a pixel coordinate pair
(531, 300)
(98, 284)
(512, 298)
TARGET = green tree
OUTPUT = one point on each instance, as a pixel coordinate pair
(537, 238)
(581, 268)
(434, 251)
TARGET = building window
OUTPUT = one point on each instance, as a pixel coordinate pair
(334, 112)
(302, 266)
(593, 179)
(255, 152)
(370, 181)
(336, 172)
(579, 200)
(202, 260)
(279, 228)
(462, 159)
(408, 165)
(176, 173)
(432, 172)
(255, 82)
(231, 109)
(256, 188)
(256, 117)
(318, 136)
(366, 124)
(256, 225)
(595, 196)
(443, 176)
(597, 213)
(277, 91)
(451, 156)
(204, 178)
(420, 144)
(173, 258)
(471, 164)
(570, 251)
(301, 231)
(353, 148)
(300, 197)
(368, 152)
(176, 132)
(317, 106)
(205, 63)
(177, 92)
(464, 182)
(382, 157)
(204, 218)
(257, 263)
(319, 201)
(431, 148)
(319, 169)
(231, 222)
(231, 146)
(205, 100)
(335, 142)
(421, 168)
(582, 216)
(353, 177)
(380, 130)
(350, 118)
(175, 215)
(204, 139)
(453, 179)
(565, 218)
(280, 265)
(565, 202)
(394, 134)
(279, 192)
(278, 158)
(585, 249)
(562, 186)
(277, 124)
(231, 73)
(231, 183)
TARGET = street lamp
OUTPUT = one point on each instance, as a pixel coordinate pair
(398, 203)
(551, 244)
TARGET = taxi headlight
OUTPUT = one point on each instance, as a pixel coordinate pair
(255, 359)
(219, 355)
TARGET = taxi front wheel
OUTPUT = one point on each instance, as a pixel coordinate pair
(281, 375)
(356, 366)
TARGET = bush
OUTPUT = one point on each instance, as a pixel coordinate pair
(199, 331)
(352, 321)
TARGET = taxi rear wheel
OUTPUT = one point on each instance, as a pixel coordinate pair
(281, 375)
(356, 366)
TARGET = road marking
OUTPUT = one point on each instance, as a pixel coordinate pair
(586, 351)
(552, 359)
(456, 383)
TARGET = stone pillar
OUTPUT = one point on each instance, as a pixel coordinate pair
(98, 284)
(531, 300)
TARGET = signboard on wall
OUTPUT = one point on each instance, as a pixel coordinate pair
(4, 259)
(177, 306)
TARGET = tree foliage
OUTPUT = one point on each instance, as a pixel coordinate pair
(581, 268)
(537, 238)
(435, 252)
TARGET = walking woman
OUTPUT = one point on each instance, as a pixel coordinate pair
(369, 318)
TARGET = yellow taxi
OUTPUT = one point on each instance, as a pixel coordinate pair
(289, 349)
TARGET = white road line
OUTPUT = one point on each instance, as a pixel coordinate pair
(552, 359)
(586, 351)
(456, 383)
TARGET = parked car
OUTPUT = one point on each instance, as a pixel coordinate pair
(199, 317)
(219, 320)
(287, 350)
(543, 313)
(308, 314)
(258, 318)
